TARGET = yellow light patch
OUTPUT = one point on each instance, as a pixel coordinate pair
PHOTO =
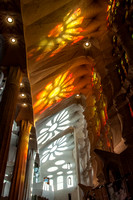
(67, 15)
(61, 34)
(75, 22)
(74, 15)
(54, 92)
(49, 87)
(43, 43)
(67, 37)
(57, 81)
(59, 40)
(60, 88)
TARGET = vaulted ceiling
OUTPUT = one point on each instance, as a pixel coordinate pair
(68, 60)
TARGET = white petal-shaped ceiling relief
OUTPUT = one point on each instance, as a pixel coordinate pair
(56, 145)
(53, 126)
(57, 148)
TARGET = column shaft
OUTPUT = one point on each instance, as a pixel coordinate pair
(28, 178)
(77, 165)
(17, 185)
(7, 111)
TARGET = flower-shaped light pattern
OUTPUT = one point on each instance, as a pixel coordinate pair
(55, 149)
(62, 34)
(61, 87)
(54, 126)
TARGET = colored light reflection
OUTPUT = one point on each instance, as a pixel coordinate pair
(61, 87)
(102, 127)
(61, 35)
(131, 110)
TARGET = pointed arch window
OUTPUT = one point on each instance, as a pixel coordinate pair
(70, 181)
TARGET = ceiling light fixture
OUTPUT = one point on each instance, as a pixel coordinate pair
(87, 44)
(24, 105)
(10, 20)
(52, 169)
(78, 96)
(21, 84)
(22, 95)
(13, 40)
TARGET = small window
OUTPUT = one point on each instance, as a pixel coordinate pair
(59, 182)
(70, 181)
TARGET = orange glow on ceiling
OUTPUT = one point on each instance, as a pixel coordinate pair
(61, 35)
(55, 32)
(62, 87)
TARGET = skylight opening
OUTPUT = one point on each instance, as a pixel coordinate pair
(62, 148)
(52, 169)
(43, 130)
(64, 166)
(53, 127)
(59, 173)
(67, 166)
(69, 172)
(63, 128)
(60, 162)
(57, 153)
(54, 149)
(51, 157)
(43, 160)
(65, 123)
(50, 176)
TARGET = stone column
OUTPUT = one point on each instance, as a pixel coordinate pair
(7, 111)
(17, 185)
(28, 178)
